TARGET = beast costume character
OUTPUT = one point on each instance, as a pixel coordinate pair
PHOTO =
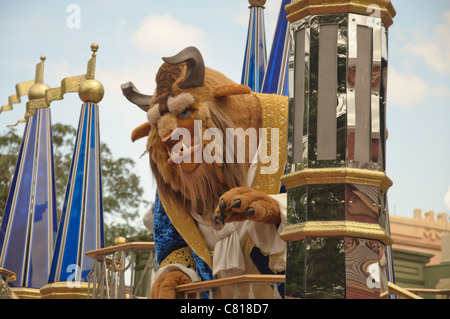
(220, 218)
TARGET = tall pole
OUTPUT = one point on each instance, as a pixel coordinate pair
(338, 229)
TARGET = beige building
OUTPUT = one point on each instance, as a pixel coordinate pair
(421, 252)
(422, 233)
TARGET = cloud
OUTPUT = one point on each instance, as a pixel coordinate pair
(423, 64)
(162, 34)
(433, 46)
(408, 90)
(447, 198)
(120, 27)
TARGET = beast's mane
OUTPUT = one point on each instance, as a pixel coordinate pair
(200, 191)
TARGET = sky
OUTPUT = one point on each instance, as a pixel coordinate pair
(134, 35)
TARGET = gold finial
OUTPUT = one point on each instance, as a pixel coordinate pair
(41, 95)
(37, 91)
(91, 90)
(91, 64)
(120, 241)
(257, 3)
(94, 48)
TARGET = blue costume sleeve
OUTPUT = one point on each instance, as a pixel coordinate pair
(166, 237)
(168, 240)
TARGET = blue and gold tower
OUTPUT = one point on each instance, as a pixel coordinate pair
(276, 77)
(29, 222)
(255, 59)
(81, 224)
(338, 241)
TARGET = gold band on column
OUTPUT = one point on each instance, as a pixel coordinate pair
(65, 290)
(26, 293)
(336, 229)
(337, 176)
(302, 8)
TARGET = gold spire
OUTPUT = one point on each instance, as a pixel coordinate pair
(24, 88)
(41, 95)
(91, 64)
(91, 90)
(36, 90)
(302, 8)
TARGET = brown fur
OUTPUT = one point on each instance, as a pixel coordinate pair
(200, 190)
(166, 76)
(141, 130)
(232, 89)
(198, 187)
(164, 287)
(266, 208)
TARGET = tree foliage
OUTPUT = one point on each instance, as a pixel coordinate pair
(122, 193)
(9, 150)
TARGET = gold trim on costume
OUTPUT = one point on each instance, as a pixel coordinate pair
(302, 8)
(336, 229)
(182, 256)
(337, 176)
(185, 225)
(275, 114)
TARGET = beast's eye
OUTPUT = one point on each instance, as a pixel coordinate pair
(185, 113)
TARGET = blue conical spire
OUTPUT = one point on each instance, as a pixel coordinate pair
(276, 75)
(255, 59)
(81, 224)
(29, 222)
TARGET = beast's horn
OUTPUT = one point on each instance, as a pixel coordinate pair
(195, 73)
(136, 97)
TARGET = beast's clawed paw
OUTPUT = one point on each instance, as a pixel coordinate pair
(164, 286)
(243, 203)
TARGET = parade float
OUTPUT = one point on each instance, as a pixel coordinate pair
(323, 86)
